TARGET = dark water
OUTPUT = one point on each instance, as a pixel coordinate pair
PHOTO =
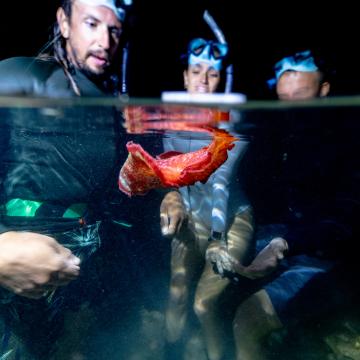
(300, 163)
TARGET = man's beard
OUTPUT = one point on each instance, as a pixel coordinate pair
(94, 76)
(97, 76)
(103, 79)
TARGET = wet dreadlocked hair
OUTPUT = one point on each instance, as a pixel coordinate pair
(59, 48)
(58, 44)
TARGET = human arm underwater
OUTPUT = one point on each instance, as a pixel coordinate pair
(173, 214)
(32, 264)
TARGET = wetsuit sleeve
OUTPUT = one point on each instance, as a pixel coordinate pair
(24, 76)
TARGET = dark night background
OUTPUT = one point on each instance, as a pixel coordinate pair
(258, 36)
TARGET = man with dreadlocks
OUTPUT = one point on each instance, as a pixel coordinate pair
(52, 181)
(85, 54)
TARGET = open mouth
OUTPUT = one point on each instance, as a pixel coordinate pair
(99, 61)
(202, 89)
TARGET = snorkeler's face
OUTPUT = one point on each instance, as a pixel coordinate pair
(201, 78)
(92, 36)
(296, 85)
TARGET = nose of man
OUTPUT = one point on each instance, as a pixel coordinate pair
(103, 40)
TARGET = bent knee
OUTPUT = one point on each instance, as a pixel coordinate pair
(206, 301)
(203, 307)
(200, 307)
(178, 293)
(256, 317)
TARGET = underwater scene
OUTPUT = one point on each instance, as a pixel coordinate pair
(179, 231)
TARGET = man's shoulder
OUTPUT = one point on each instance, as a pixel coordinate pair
(25, 75)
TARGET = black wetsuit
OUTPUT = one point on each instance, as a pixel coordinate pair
(48, 153)
(43, 77)
(53, 158)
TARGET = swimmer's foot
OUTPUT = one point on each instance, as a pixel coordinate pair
(268, 259)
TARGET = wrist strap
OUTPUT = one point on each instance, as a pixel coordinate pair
(217, 235)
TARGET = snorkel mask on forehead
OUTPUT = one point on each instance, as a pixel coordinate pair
(301, 61)
(209, 52)
(116, 6)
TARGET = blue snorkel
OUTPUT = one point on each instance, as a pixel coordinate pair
(124, 70)
(125, 55)
(221, 38)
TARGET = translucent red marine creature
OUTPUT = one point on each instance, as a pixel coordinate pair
(142, 172)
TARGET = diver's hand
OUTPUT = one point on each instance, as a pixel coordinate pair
(172, 214)
(268, 259)
(32, 264)
(217, 254)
